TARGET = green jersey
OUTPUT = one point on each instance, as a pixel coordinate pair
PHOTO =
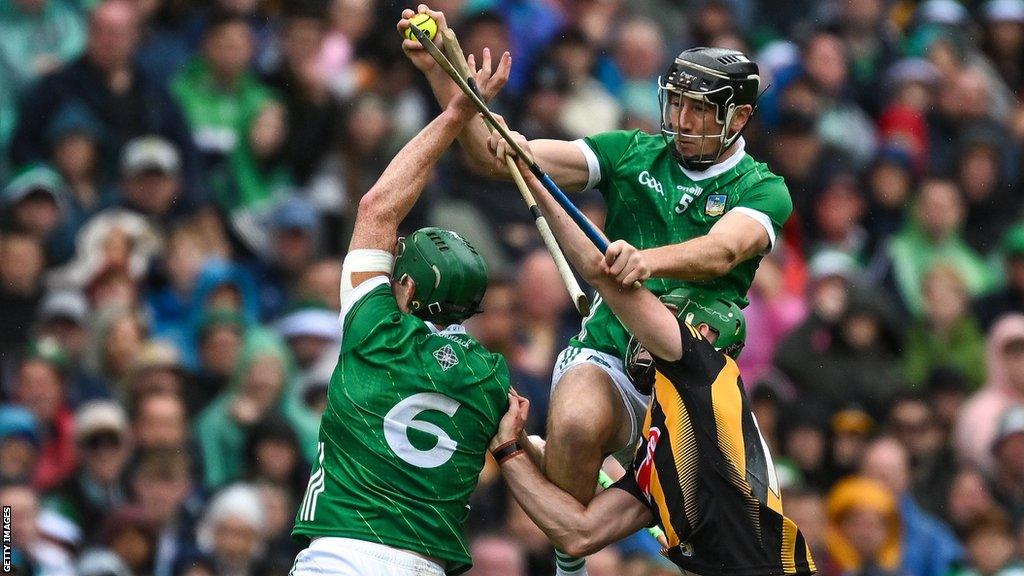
(410, 412)
(653, 201)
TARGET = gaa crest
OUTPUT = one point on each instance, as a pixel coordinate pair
(715, 205)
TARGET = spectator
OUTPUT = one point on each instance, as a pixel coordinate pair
(40, 386)
(929, 547)
(294, 243)
(933, 235)
(19, 444)
(156, 368)
(151, 179)
(807, 509)
(991, 550)
(863, 535)
(117, 336)
(1011, 297)
(589, 107)
(35, 198)
(160, 423)
(21, 267)
(977, 425)
(39, 37)
(279, 507)
(838, 215)
(98, 485)
(312, 110)
(989, 198)
(913, 423)
(890, 181)
(107, 81)
(223, 286)
(1004, 40)
(1008, 472)
(851, 429)
(947, 335)
(313, 338)
(320, 283)
(163, 488)
(639, 58)
(261, 385)
(230, 530)
(131, 534)
(62, 316)
(273, 454)
(223, 100)
(220, 337)
(41, 555)
(842, 123)
(969, 502)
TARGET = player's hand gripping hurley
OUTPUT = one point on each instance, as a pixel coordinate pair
(581, 220)
(458, 61)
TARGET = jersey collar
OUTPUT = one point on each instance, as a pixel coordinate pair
(721, 167)
(450, 329)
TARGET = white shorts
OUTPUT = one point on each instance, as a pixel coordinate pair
(634, 401)
(349, 557)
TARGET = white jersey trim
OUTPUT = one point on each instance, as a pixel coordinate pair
(350, 298)
(593, 166)
(720, 168)
(762, 219)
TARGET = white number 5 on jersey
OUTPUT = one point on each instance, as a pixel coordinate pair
(403, 416)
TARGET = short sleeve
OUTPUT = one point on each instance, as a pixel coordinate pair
(768, 202)
(608, 149)
(368, 308)
(628, 484)
(699, 364)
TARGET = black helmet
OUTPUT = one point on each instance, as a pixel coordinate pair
(719, 76)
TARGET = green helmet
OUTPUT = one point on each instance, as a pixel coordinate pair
(450, 276)
(695, 307)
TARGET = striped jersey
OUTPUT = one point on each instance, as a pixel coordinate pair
(705, 472)
(410, 412)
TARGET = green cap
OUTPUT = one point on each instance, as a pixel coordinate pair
(1013, 242)
(697, 307)
(33, 178)
(450, 275)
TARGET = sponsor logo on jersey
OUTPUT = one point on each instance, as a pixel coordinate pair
(446, 357)
(651, 182)
(690, 193)
(643, 471)
(715, 205)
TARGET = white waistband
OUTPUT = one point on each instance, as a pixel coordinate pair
(397, 556)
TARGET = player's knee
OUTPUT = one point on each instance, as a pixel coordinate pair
(585, 410)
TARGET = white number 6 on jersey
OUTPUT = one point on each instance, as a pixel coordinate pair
(403, 416)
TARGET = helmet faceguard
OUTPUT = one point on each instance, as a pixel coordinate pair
(722, 78)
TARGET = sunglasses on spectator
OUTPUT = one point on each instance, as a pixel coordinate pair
(102, 440)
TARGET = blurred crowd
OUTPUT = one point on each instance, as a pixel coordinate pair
(179, 179)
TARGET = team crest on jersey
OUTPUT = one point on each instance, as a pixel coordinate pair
(643, 471)
(715, 206)
(446, 357)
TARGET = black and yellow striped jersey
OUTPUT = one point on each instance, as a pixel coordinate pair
(704, 470)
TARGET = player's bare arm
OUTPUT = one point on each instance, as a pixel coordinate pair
(388, 202)
(732, 240)
(563, 161)
(571, 527)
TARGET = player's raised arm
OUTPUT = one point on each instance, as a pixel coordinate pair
(388, 202)
(564, 161)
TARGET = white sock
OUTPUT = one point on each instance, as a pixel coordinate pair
(566, 565)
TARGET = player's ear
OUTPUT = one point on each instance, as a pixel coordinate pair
(741, 117)
(707, 332)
